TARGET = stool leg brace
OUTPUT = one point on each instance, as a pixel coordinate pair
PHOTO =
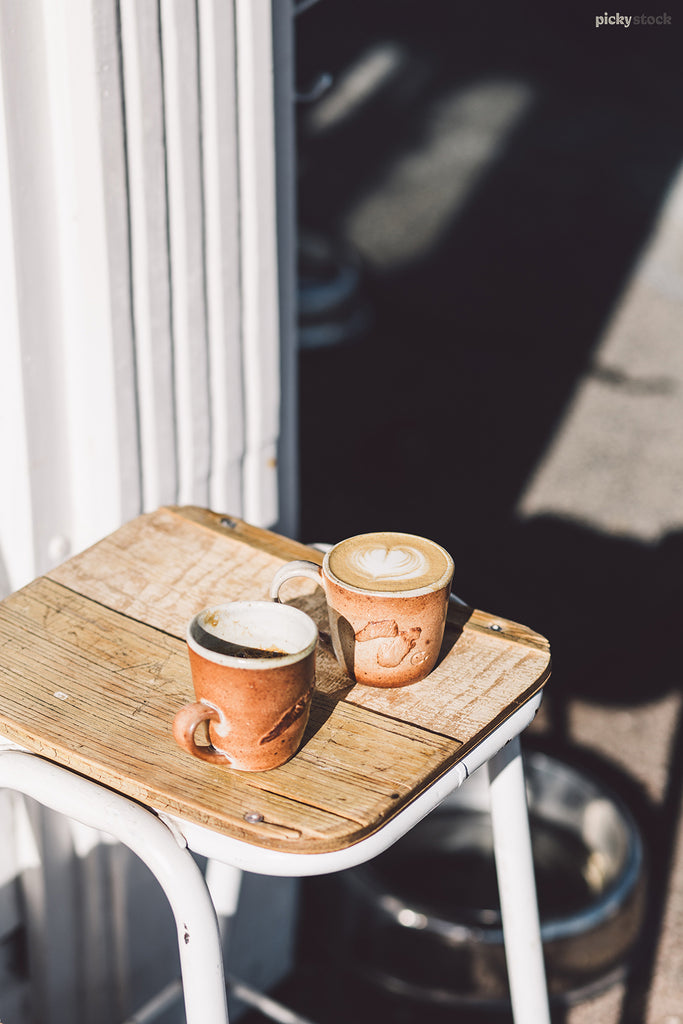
(173, 866)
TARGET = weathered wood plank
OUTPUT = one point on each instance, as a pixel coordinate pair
(162, 568)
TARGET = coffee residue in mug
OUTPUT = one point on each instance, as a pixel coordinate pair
(237, 651)
(217, 645)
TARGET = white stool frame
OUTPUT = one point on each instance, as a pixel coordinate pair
(164, 842)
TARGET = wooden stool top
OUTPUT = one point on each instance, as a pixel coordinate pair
(94, 667)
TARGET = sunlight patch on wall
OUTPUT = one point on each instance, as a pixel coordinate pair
(615, 463)
(412, 206)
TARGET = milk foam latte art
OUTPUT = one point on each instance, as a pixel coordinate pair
(400, 563)
(388, 562)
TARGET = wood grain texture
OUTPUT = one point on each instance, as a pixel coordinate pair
(164, 567)
(93, 668)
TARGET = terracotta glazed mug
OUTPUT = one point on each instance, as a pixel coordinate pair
(253, 670)
(387, 598)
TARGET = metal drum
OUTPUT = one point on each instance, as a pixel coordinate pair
(422, 921)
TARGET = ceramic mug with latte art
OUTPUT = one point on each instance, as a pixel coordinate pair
(387, 598)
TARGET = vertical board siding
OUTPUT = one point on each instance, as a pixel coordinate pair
(55, 942)
(83, 331)
(149, 253)
(222, 246)
(258, 233)
(147, 244)
(30, 269)
(286, 213)
(179, 46)
(112, 140)
(17, 555)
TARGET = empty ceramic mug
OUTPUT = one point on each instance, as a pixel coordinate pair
(387, 598)
(253, 670)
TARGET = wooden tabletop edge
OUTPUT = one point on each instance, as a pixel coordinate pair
(328, 846)
(469, 619)
(268, 833)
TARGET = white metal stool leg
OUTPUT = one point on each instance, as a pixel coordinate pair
(172, 865)
(224, 882)
(517, 886)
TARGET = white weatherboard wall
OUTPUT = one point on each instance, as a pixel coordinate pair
(148, 347)
(146, 267)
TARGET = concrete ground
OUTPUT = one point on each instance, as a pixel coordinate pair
(511, 176)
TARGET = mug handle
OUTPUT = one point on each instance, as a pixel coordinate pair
(184, 726)
(292, 569)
